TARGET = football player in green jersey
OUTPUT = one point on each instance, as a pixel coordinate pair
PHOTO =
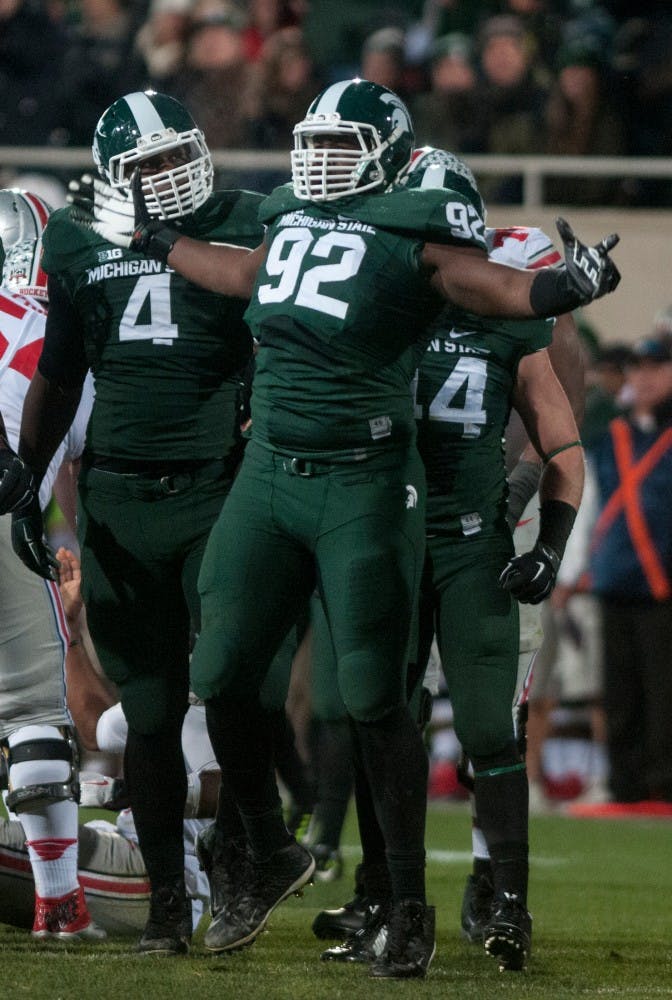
(472, 371)
(331, 489)
(161, 449)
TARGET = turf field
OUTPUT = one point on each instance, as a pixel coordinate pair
(601, 897)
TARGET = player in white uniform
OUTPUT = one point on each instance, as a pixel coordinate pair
(111, 868)
(38, 747)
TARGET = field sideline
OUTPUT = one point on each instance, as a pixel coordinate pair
(601, 897)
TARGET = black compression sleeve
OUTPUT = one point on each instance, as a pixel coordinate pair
(63, 359)
(552, 294)
(556, 520)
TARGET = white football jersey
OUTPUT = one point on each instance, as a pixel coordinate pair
(22, 323)
(524, 247)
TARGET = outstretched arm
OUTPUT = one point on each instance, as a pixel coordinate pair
(123, 219)
(223, 268)
(467, 278)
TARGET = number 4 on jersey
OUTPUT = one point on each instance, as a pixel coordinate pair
(470, 374)
(150, 299)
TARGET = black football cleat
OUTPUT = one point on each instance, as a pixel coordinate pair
(410, 942)
(366, 944)
(508, 933)
(270, 882)
(168, 928)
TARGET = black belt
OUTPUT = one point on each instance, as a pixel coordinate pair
(165, 477)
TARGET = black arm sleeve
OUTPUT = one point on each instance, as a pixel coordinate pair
(63, 359)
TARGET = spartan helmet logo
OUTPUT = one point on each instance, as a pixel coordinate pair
(411, 497)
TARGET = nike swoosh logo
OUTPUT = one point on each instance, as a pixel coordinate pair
(527, 520)
(455, 335)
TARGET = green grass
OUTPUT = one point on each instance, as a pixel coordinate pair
(600, 894)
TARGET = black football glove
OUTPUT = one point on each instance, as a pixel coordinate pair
(590, 270)
(30, 544)
(530, 578)
(151, 237)
(17, 487)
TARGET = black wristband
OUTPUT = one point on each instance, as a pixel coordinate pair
(155, 240)
(551, 293)
(556, 520)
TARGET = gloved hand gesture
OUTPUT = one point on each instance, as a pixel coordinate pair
(530, 577)
(120, 217)
(103, 209)
(17, 488)
(30, 544)
(590, 270)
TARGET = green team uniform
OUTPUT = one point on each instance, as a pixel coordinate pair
(462, 395)
(331, 490)
(161, 442)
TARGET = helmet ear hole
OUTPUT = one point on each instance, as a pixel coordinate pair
(145, 126)
(23, 218)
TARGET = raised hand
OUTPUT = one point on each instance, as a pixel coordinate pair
(103, 209)
(590, 270)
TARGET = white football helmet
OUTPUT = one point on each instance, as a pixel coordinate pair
(23, 217)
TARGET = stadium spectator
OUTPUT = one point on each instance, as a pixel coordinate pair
(99, 63)
(443, 17)
(265, 17)
(214, 80)
(383, 59)
(336, 32)
(31, 57)
(161, 39)
(631, 572)
(511, 97)
(581, 120)
(447, 114)
(282, 83)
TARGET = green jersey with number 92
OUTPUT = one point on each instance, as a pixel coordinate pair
(340, 310)
(164, 353)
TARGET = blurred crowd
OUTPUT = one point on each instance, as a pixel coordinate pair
(559, 77)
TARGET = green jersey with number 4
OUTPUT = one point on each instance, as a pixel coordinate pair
(164, 353)
(462, 395)
(339, 309)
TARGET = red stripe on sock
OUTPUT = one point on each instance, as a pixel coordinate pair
(50, 850)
